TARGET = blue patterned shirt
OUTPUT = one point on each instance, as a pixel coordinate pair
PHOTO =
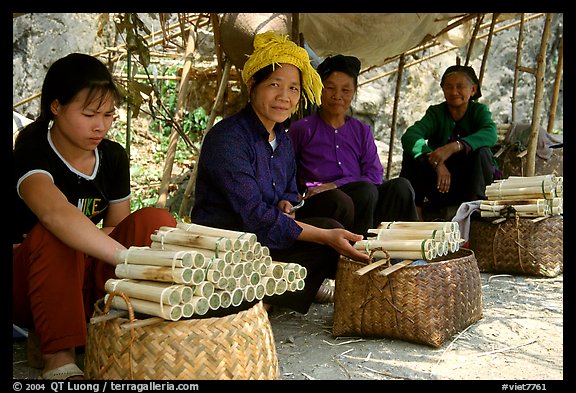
(241, 180)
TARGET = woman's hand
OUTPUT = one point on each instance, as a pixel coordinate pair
(443, 178)
(286, 206)
(339, 239)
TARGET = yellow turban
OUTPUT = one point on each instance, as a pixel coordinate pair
(273, 48)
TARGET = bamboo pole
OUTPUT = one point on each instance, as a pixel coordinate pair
(183, 212)
(536, 112)
(189, 239)
(408, 234)
(154, 273)
(557, 82)
(178, 118)
(487, 47)
(172, 313)
(517, 67)
(145, 290)
(227, 256)
(147, 256)
(395, 113)
(216, 232)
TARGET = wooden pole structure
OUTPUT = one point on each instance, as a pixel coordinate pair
(517, 68)
(540, 73)
(554, 102)
(395, 115)
(174, 136)
(219, 97)
(471, 45)
(487, 47)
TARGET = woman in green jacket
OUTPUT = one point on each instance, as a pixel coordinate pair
(447, 153)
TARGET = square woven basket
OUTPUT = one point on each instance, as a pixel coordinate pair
(238, 346)
(424, 304)
(519, 245)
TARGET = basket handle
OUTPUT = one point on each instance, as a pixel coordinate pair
(126, 299)
(373, 265)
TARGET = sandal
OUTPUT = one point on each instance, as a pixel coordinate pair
(64, 372)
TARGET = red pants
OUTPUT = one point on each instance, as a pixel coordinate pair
(54, 287)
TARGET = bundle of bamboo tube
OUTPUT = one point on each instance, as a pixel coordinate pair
(533, 196)
(412, 240)
(191, 269)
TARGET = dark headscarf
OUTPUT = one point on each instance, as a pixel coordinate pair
(469, 71)
(349, 65)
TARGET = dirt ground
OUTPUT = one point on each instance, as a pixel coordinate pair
(519, 338)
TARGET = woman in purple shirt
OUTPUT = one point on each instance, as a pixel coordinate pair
(246, 171)
(337, 160)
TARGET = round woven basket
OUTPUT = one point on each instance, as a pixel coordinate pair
(519, 246)
(236, 346)
(419, 303)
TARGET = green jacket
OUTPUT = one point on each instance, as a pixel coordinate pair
(435, 128)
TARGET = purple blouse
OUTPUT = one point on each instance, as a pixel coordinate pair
(343, 155)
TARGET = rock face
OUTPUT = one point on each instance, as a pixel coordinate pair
(39, 39)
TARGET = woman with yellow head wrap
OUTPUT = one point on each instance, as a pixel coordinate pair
(247, 171)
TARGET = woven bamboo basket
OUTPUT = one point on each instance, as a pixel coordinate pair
(424, 304)
(238, 346)
(519, 246)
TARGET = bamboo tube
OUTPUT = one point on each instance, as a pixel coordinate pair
(395, 245)
(227, 256)
(300, 283)
(408, 234)
(557, 201)
(281, 286)
(254, 278)
(241, 245)
(263, 269)
(216, 264)
(266, 260)
(172, 313)
(454, 246)
(521, 192)
(222, 283)
(186, 292)
(182, 238)
(265, 251)
(187, 310)
(213, 276)
(260, 290)
(257, 249)
(225, 298)
(146, 290)
(198, 276)
(154, 273)
(205, 289)
(217, 232)
(215, 300)
(237, 270)
(250, 293)
(237, 296)
(275, 270)
(200, 305)
(548, 181)
(236, 256)
(227, 271)
(248, 267)
(147, 256)
(269, 283)
(403, 254)
(247, 255)
(289, 275)
(446, 226)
